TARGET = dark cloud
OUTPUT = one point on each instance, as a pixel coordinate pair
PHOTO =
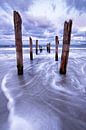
(6, 29)
(80, 34)
(79, 5)
(6, 14)
(38, 27)
(16, 4)
(39, 22)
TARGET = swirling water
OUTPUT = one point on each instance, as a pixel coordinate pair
(42, 99)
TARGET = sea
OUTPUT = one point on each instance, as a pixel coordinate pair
(42, 98)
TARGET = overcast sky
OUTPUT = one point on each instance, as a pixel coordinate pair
(42, 19)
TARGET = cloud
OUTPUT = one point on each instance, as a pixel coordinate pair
(37, 15)
(16, 4)
(42, 19)
(79, 5)
(39, 27)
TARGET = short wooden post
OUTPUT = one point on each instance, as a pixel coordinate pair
(40, 48)
(49, 47)
(66, 45)
(36, 47)
(18, 41)
(56, 51)
(31, 50)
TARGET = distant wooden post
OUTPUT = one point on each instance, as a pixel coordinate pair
(40, 48)
(31, 50)
(36, 47)
(56, 51)
(49, 47)
(66, 44)
(18, 41)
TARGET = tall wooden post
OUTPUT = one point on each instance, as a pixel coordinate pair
(18, 41)
(31, 50)
(66, 45)
(36, 47)
(56, 51)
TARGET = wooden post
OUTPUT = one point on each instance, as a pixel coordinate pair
(56, 51)
(66, 45)
(40, 48)
(18, 41)
(31, 50)
(49, 47)
(36, 47)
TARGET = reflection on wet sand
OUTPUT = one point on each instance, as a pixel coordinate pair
(43, 99)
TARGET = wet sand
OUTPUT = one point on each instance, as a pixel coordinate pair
(42, 98)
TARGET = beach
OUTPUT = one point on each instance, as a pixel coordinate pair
(42, 99)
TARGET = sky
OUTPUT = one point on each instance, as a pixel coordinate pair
(42, 19)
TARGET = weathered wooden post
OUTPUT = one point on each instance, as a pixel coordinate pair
(18, 41)
(56, 51)
(66, 44)
(31, 50)
(36, 47)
